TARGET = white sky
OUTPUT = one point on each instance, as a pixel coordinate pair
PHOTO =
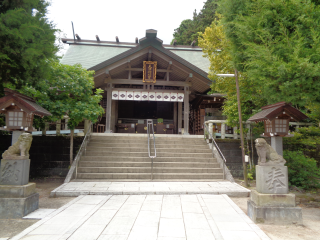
(126, 19)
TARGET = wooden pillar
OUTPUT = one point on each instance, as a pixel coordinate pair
(235, 134)
(86, 126)
(223, 130)
(113, 116)
(44, 130)
(186, 111)
(179, 116)
(108, 109)
(58, 127)
(175, 116)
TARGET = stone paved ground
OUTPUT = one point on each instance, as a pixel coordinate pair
(74, 189)
(150, 217)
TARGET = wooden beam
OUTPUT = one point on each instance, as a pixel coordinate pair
(139, 82)
(149, 55)
(146, 89)
(97, 37)
(141, 69)
(188, 79)
(166, 76)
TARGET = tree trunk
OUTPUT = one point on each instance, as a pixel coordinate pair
(71, 146)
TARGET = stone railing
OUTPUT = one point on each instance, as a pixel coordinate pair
(235, 135)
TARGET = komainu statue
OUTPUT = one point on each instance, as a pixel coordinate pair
(267, 155)
(19, 150)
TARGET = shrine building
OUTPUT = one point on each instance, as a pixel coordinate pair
(147, 79)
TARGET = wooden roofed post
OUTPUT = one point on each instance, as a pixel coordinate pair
(175, 116)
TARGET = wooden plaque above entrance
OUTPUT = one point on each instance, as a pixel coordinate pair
(149, 71)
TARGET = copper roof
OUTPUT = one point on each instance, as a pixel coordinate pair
(270, 112)
(26, 103)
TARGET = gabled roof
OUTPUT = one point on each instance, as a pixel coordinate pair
(95, 55)
(23, 101)
(270, 112)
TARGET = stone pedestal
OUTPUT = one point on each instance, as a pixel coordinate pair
(14, 172)
(277, 144)
(272, 179)
(18, 201)
(274, 208)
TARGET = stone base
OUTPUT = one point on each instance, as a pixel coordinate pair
(16, 191)
(273, 200)
(275, 215)
(18, 207)
(14, 172)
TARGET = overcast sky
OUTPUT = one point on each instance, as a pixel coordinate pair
(126, 19)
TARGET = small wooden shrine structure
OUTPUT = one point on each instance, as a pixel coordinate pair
(19, 110)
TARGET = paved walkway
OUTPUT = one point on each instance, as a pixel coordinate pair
(74, 189)
(149, 217)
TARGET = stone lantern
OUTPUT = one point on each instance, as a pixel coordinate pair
(17, 196)
(271, 201)
(19, 111)
(276, 119)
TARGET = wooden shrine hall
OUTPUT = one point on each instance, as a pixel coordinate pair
(147, 79)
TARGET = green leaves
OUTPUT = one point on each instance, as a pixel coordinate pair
(68, 91)
(27, 40)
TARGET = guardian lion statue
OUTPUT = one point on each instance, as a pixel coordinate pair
(267, 155)
(19, 150)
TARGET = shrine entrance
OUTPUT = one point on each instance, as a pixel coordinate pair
(132, 115)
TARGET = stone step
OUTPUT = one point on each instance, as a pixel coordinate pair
(146, 170)
(126, 149)
(145, 154)
(118, 158)
(145, 145)
(148, 164)
(190, 176)
(145, 141)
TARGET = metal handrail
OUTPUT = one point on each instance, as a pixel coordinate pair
(150, 122)
(213, 142)
(74, 167)
(83, 146)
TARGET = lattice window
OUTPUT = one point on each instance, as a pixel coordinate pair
(268, 126)
(281, 125)
(29, 120)
(15, 119)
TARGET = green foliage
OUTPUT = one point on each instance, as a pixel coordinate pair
(26, 42)
(68, 91)
(276, 45)
(302, 171)
(188, 30)
(217, 48)
(307, 140)
(251, 172)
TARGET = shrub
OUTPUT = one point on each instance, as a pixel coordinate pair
(302, 171)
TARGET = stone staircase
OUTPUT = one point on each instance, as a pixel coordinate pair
(126, 158)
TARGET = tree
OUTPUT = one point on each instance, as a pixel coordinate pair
(188, 30)
(276, 44)
(26, 42)
(69, 91)
(216, 48)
